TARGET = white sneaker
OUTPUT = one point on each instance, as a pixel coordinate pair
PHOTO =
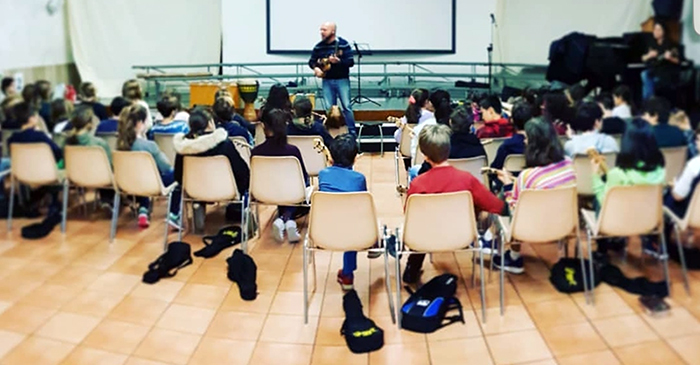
(292, 233)
(278, 230)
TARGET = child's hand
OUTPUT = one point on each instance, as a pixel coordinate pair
(505, 176)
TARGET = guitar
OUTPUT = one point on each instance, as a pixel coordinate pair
(325, 63)
(399, 124)
(321, 148)
(597, 157)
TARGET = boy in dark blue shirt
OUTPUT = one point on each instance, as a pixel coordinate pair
(515, 145)
(110, 125)
(341, 178)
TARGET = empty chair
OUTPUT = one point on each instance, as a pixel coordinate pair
(88, 167)
(342, 222)
(691, 221)
(165, 144)
(674, 161)
(449, 216)
(514, 163)
(6, 134)
(472, 165)
(314, 160)
(584, 172)
(136, 173)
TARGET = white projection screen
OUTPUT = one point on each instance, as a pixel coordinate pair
(414, 26)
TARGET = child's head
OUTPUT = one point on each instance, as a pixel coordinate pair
(61, 109)
(490, 108)
(335, 117)
(131, 90)
(25, 114)
(88, 92)
(434, 142)
(29, 93)
(168, 105)
(419, 99)
(344, 150)
(521, 114)
(82, 118)
(223, 109)
(275, 122)
(8, 86)
(543, 146)
(656, 110)
(622, 95)
(43, 90)
(461, 120)
(589, 117)
(132, 121)
(440, 99)
(302, 107)
(201, 121)
(118, 104)
(638, 148)
(223, 92)
(606, 103)
(278, 98)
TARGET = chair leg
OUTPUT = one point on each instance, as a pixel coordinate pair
(182, 216)
(12, 203)
(244, 226)
(167, 213)
(115, 217)
(664, 258)
(398, 287)
(65, 205)
(503, 277)
(590, 267)
(682, 257)
(474, 269)
(483, 286)
(387, 278)
(305, 269)
(579, 252)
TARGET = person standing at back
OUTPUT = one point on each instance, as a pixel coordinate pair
(335, 54)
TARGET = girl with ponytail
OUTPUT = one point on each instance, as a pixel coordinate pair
(418, 114)
(304, 123)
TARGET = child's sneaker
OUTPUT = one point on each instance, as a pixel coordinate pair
(346, 282)
(374, 254)
(278, 230)
(143, 218)
(174, 221)
(292, 233)
(510, 264)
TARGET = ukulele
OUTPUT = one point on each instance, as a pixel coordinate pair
(325, 63)
(597, 157)
(321, 148)
(399, 124)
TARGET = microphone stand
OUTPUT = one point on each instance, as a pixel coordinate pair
(489, 49)
(359, 98)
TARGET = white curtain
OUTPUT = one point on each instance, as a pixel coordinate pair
(525, 29)
(109, 37)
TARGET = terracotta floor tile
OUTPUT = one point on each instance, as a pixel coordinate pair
(459, 330)
(677, 322)
(49, 296)
(624, 330)
(292, 303)
(24, 318)
(648, 353)
(392, 334)
(116, 336)
(145, 312)
(337, 355)
(687, 347)
(462, 351)
(333, 304)
(261, 304)
(186, 319)
(8, 341)
(165, 290)
(79, 276)
(221, 351)
(68, 327)
(555, 313)
(602, 357)
(607, 305)
(116, 283)
(328, 333)
(211, 276)
(515, 318)
(12, 289)
(518, 347)
(89, 356)
(405, 354)
(534, 291)
(168, 346)
(4, 306)
(140, 361)
(36, 350)
(281, 353)
(204, 296)
(573, 339)
(236, 326)
(289, 329)
(94, 303)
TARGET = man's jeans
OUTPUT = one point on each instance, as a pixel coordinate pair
(648, 84)
(340, 89)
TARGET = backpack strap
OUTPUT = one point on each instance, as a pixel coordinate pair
(409, 290)
(454, 304)
(171, 274)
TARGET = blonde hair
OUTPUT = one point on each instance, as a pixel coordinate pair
(434, 142)
(126, 130)
(82, 120)
(131, 90)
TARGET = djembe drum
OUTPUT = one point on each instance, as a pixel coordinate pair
(248, 89)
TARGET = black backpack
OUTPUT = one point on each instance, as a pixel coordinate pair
(566, 275)
(175, 258)
(243, 271)
(361, 333)
(227, 237)
(425, 309)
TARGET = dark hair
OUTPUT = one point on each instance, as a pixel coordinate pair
(657, 106)
(606, 100)
(118, 104)
(522, 113)
(223, 110)
(275, 122)
(23, 112)
(82, 118)
(638, 148)
(61, 109)
(443, 105)
(344, 150)
(577, 92)
(624, 92)
(491, 101)
(131, 90)
(43, 90)
(335, 121)
(128, 118)
(413, 111)
(556, 107)
(543, 145)
(199, 121)
(586, 116)
(168, 105)
(88, 90)
(302, 108)
(663, 26)
(461, 119)
(29, 94)
(278, 98)
(6, 82)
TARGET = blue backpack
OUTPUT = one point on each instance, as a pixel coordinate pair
(425, 310)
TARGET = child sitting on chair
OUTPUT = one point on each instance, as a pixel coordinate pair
(341, 178)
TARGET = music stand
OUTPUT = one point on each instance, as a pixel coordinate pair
(359, 98)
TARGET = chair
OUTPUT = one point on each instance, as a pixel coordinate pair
(471, 165)
(491, 146)
(426, 219)
(6, 134)
(674, 158)
(584, 173)
(110, 138)
(541, 216)
(210, 180)
(402, 151)
(88, 167)
(627, 211)
(314, 161)
(259, 133)
(243, 148)
(33, 164)
(342, 222)
(514, 163)
(165, 143)
(691, 220)
(136, 174)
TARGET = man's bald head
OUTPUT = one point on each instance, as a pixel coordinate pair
(328, 30)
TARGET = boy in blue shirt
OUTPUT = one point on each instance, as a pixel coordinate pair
(341, 178)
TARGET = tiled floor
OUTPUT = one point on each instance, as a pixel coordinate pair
(76, 299)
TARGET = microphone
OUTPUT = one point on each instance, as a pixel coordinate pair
(493, 19)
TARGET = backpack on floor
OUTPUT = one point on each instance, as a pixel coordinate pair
(566, 276)
(177, 256)
(361, 333)
(425, 310)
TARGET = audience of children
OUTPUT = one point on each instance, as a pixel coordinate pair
(656, 112)
(88, 96)
(612, 125)
(224, 116)
(305, 124)
(419, 113)
(111, 124)
(622, 98)
(131, 91)
(587, 125)
(168, 107)
(61, 111)
(515, 145)
(492, 124)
